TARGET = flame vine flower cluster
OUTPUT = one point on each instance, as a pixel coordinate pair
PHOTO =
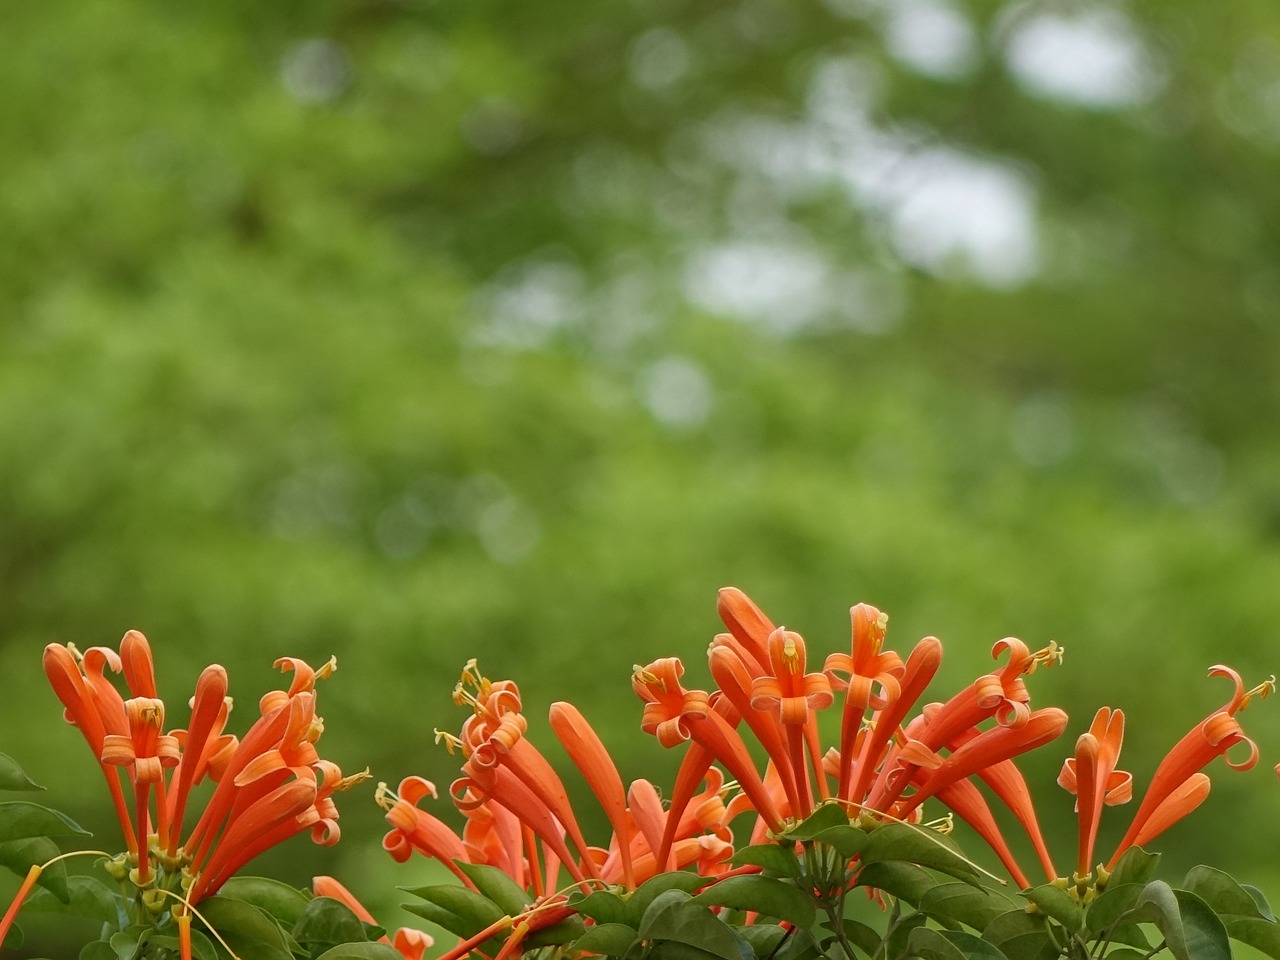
(775, 827)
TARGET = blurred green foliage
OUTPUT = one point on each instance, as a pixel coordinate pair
(418, 330)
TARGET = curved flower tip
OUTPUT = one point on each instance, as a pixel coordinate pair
(744, 619)
(139, 668)
(1242, 697)
(667, 704)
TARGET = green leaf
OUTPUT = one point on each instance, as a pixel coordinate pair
(280, 900)
(458, 909)
(1136, 866)
(974, 906)
(13, 939)
(89, 897)
(510, 897)
(644, 895)
(677, 950)
(1260, 900)
(1220, 891)
(602, 906)
(898, 938)
(865, 938)
(801, 945)
(773, 898)
(248, 930)
(900, 841)
(126, 944)
(1158, 904)
(13, 777)
(1262, 935)
(20, 819)
(845, 839)
(362, 951)
(1021, 936)
(950, 945)
(21, 855)
(97, 950)
(763, 938)
(1205, 932)
(771, 856)
(903, 880)
(325, 920)
(1058, 904)
(1110, 905)
(826, 816)
(672, 916)
(565, 931)
(932, 945)
(608, 939)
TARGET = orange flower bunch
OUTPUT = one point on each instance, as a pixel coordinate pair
(883, 768)
(270, 785)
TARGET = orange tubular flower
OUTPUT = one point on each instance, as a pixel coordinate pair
(674, 714)
(794, 695)
(1092, 776)
(1171, 794)
(866, 667)
(269, 787)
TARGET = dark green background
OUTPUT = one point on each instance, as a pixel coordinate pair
(418, 331)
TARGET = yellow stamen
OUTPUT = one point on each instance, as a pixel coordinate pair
(943, 825)
(791, 654)
(1261, 691)
(346, 783)
(647, 677)
(327, 669)
(1046, 656)
(451, 743)
(384, 796)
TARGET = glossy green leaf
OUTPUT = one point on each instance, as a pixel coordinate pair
(1206, 934)
(1158, 904)
(974, 906)
(950, 945)
(905, 881)
(13, 939)
(770, 856)
(1262, 935)
(1136, 866)
(898, 939)
(1055, 902)
(826, 816)
(97, 950)
(865, 938)
(362, 951)
(460, 910)
(644, 895)
(764, 939)
(845, 839)
(603, 906)
(280, 900)
(13, 777)
(1110, 905)
(1260, 901)
(21, 855)
(20, 819)
(773, 898)
(89, 897)
(932, 945)
(900, 841)
(672, 916)
(249, 930)
(609, 939)
(566, 931)
(1021, 936)
(325, 920)
(510, 897)
(1220, 891)
(678, 950)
